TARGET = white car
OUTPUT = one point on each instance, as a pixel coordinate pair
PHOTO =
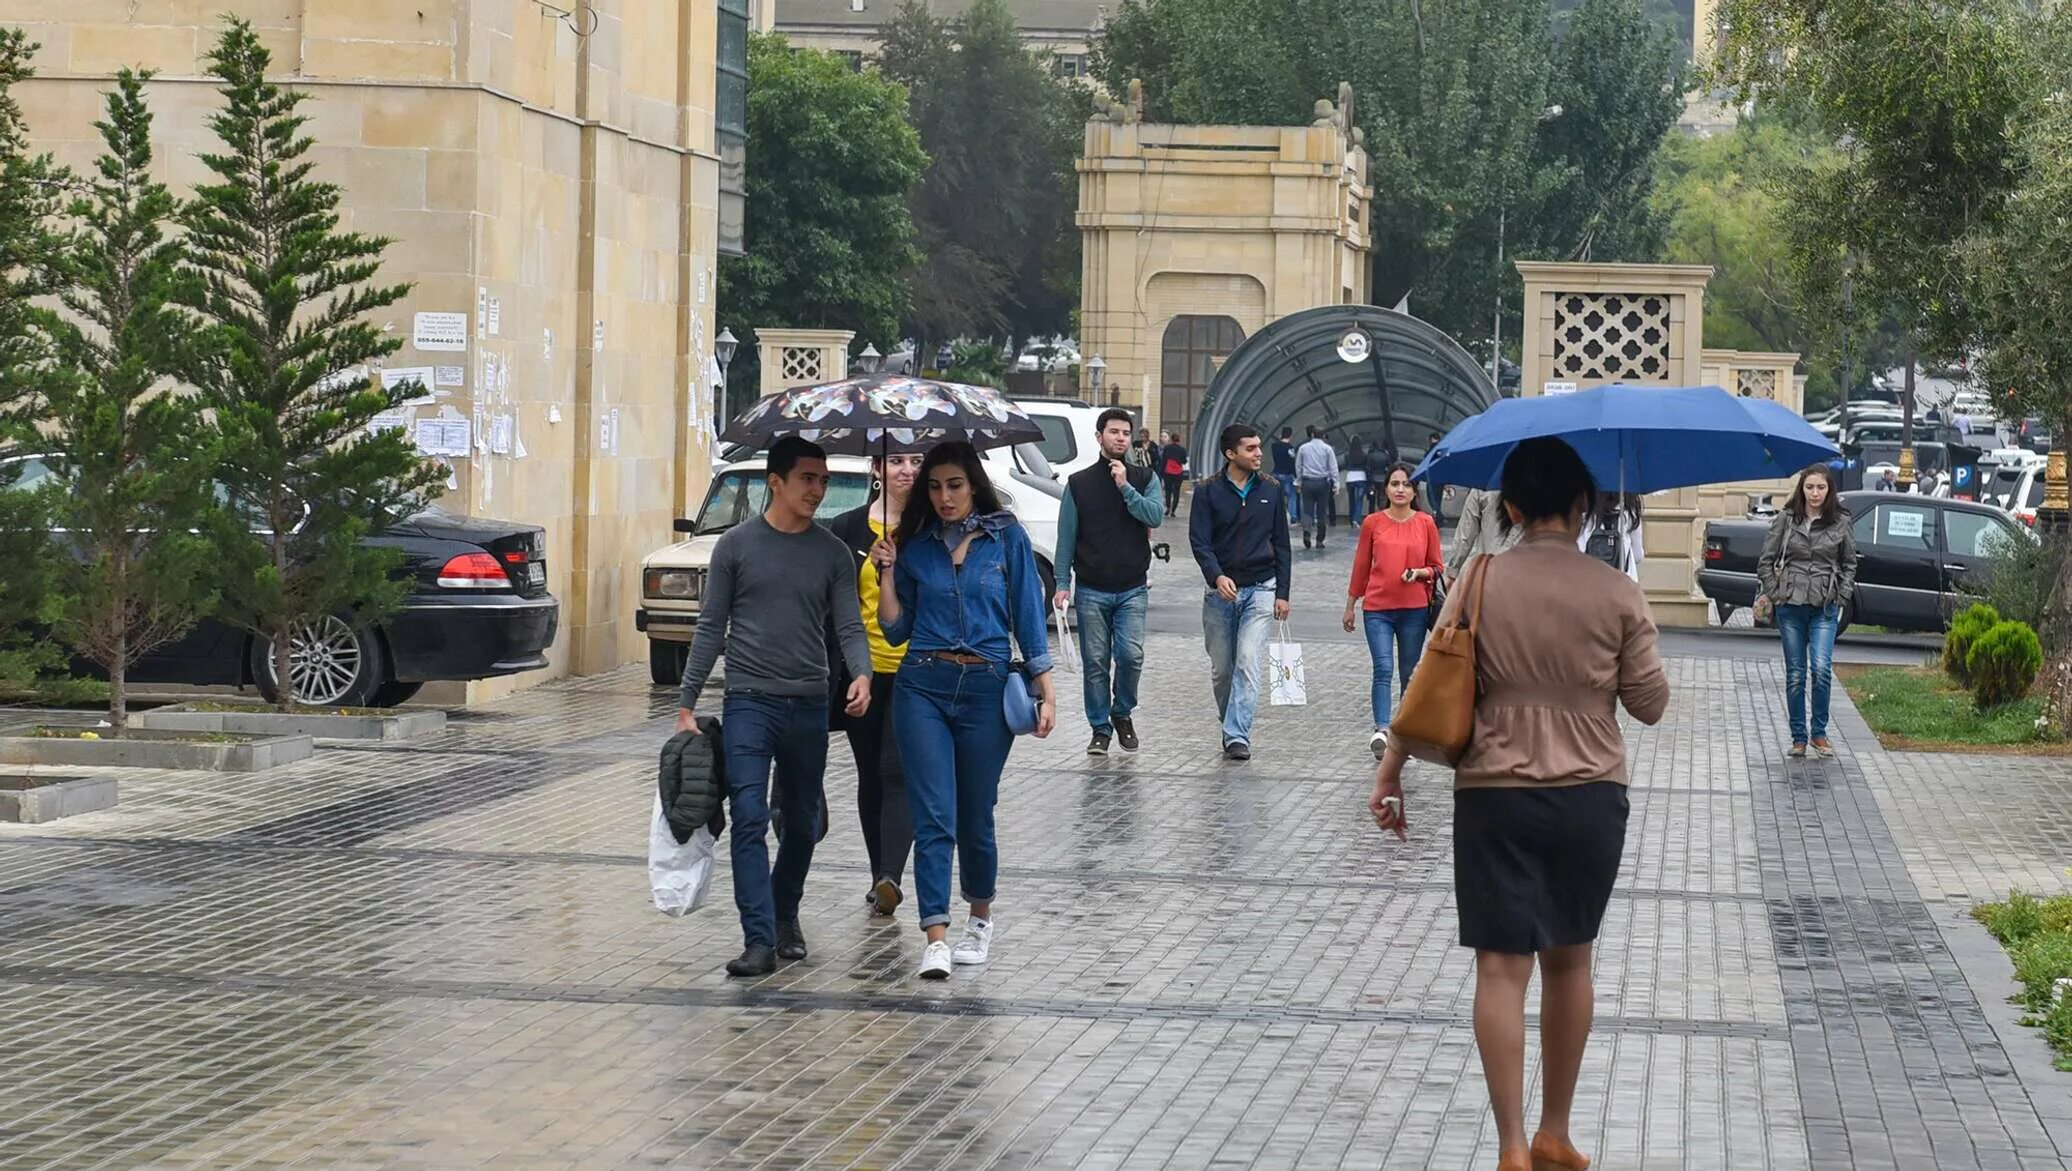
(2013, 480)
(672, 578)
(1069, 441)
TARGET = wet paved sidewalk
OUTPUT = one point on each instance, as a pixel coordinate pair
(443, 955)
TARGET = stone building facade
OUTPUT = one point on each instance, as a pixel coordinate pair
(1062, 28)
(1194, 237)
(552, 182)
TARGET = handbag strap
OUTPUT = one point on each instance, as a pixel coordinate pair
(1479, 585)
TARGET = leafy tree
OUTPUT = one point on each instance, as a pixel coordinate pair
(995, 208)
(131, 453)
(831, 161)
(279, 299)
(31, 191)
(1923, 95)
(2021, 277)
(1456, 98)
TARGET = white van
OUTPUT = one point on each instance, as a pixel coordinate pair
(672, 578)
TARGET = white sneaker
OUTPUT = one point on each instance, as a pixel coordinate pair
(977, 941)
(1379, 742)
(935, 960)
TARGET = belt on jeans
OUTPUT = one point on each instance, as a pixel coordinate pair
(958, 657)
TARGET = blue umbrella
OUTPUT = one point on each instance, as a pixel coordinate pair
(1636, 438)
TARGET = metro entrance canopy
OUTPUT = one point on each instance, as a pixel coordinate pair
(1350, 369)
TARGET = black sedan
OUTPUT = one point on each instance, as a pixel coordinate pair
(479, 609)
(1918, 558)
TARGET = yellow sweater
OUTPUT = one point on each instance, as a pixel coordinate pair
(885, 658)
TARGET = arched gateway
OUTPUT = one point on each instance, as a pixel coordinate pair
(1351, 369)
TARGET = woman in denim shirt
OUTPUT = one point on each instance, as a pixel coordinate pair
(964, 592)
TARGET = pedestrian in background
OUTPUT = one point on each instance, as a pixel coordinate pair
(1482, 531)
(1284, 472)
(1356, 498)
(1104, 538)
(1539, 804)
(1173, 470)
(881, 796)
(1316, 468)
(776, 585)
(964, 594)
(1808, 571)
(1394, 565)
(1142, 452)
(1239, 533)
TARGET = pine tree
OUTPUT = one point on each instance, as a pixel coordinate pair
(285, 361)
(31, 190)
(131, 450)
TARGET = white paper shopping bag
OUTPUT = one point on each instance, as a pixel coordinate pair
(1285, 685)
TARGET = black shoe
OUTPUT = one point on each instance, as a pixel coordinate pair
(1098, 746)
(1126, 733)
(1305, 538)
(1237, 750)
(756, 960)
(791, 942)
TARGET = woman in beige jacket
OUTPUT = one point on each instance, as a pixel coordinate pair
(1539, 801)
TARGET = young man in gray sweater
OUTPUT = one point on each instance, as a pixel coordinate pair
(777, 582)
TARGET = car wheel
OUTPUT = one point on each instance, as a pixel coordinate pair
(1848, 616)
(666, 662)
(395, 693)
(331, 664)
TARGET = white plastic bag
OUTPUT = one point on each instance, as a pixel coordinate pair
(1068, 651)
(681, 875)
(1285, 686)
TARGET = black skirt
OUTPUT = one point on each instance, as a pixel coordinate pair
(1533, 868)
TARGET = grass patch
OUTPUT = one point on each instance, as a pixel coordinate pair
(57, 732)
(1918, 709)
(2037, 934)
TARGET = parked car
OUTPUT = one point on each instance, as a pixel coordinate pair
(1068, 442)
(672, 578)
(479, 608)
(1914, 556)
(2016, 484)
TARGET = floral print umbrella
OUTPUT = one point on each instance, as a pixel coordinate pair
(881, 413)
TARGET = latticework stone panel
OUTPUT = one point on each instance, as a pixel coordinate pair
(1617, 337)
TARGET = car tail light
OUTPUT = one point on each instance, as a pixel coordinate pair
(1715, 553)
(473, 571)
(2027, 518)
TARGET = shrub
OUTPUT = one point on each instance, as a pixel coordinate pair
(2039, 963)
(2019, 577)
(2013, 921)
(1964, 630)
(2003, 663)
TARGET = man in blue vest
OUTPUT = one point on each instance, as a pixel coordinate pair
(1104, 536)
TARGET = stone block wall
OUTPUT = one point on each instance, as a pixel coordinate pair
(554, 180)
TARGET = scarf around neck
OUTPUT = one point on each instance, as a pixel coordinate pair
(953, 532)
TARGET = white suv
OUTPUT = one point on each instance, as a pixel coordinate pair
(672, 578)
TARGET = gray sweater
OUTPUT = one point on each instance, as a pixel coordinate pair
(769, 596)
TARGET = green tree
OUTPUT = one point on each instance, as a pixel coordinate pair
(831, 161)
(1467, 156)
(31, 193)
(280, 299)
(995, 208)
(1923, 95)
(2021, 277)
(131, 453)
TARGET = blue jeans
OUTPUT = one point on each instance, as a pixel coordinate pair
(1111, 630)
(1356, 500)
(1287, 483)
(1808, 634)
(953, 738)
(1235, 634)
(790, 733)
(1395, 640)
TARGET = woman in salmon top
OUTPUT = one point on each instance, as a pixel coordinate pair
(1398, 558)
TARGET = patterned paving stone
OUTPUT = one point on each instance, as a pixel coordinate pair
(441, 954)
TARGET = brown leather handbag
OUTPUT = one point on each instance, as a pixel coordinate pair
(1437, 716)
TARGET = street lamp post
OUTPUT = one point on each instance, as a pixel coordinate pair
(723, 348)
(1096, 370)
(870, 359)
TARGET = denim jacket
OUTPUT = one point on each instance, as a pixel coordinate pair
(975, 609)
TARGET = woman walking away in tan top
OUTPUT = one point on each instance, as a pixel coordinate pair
(1539, 803)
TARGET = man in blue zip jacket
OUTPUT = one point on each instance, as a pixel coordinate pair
(1239, 532)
